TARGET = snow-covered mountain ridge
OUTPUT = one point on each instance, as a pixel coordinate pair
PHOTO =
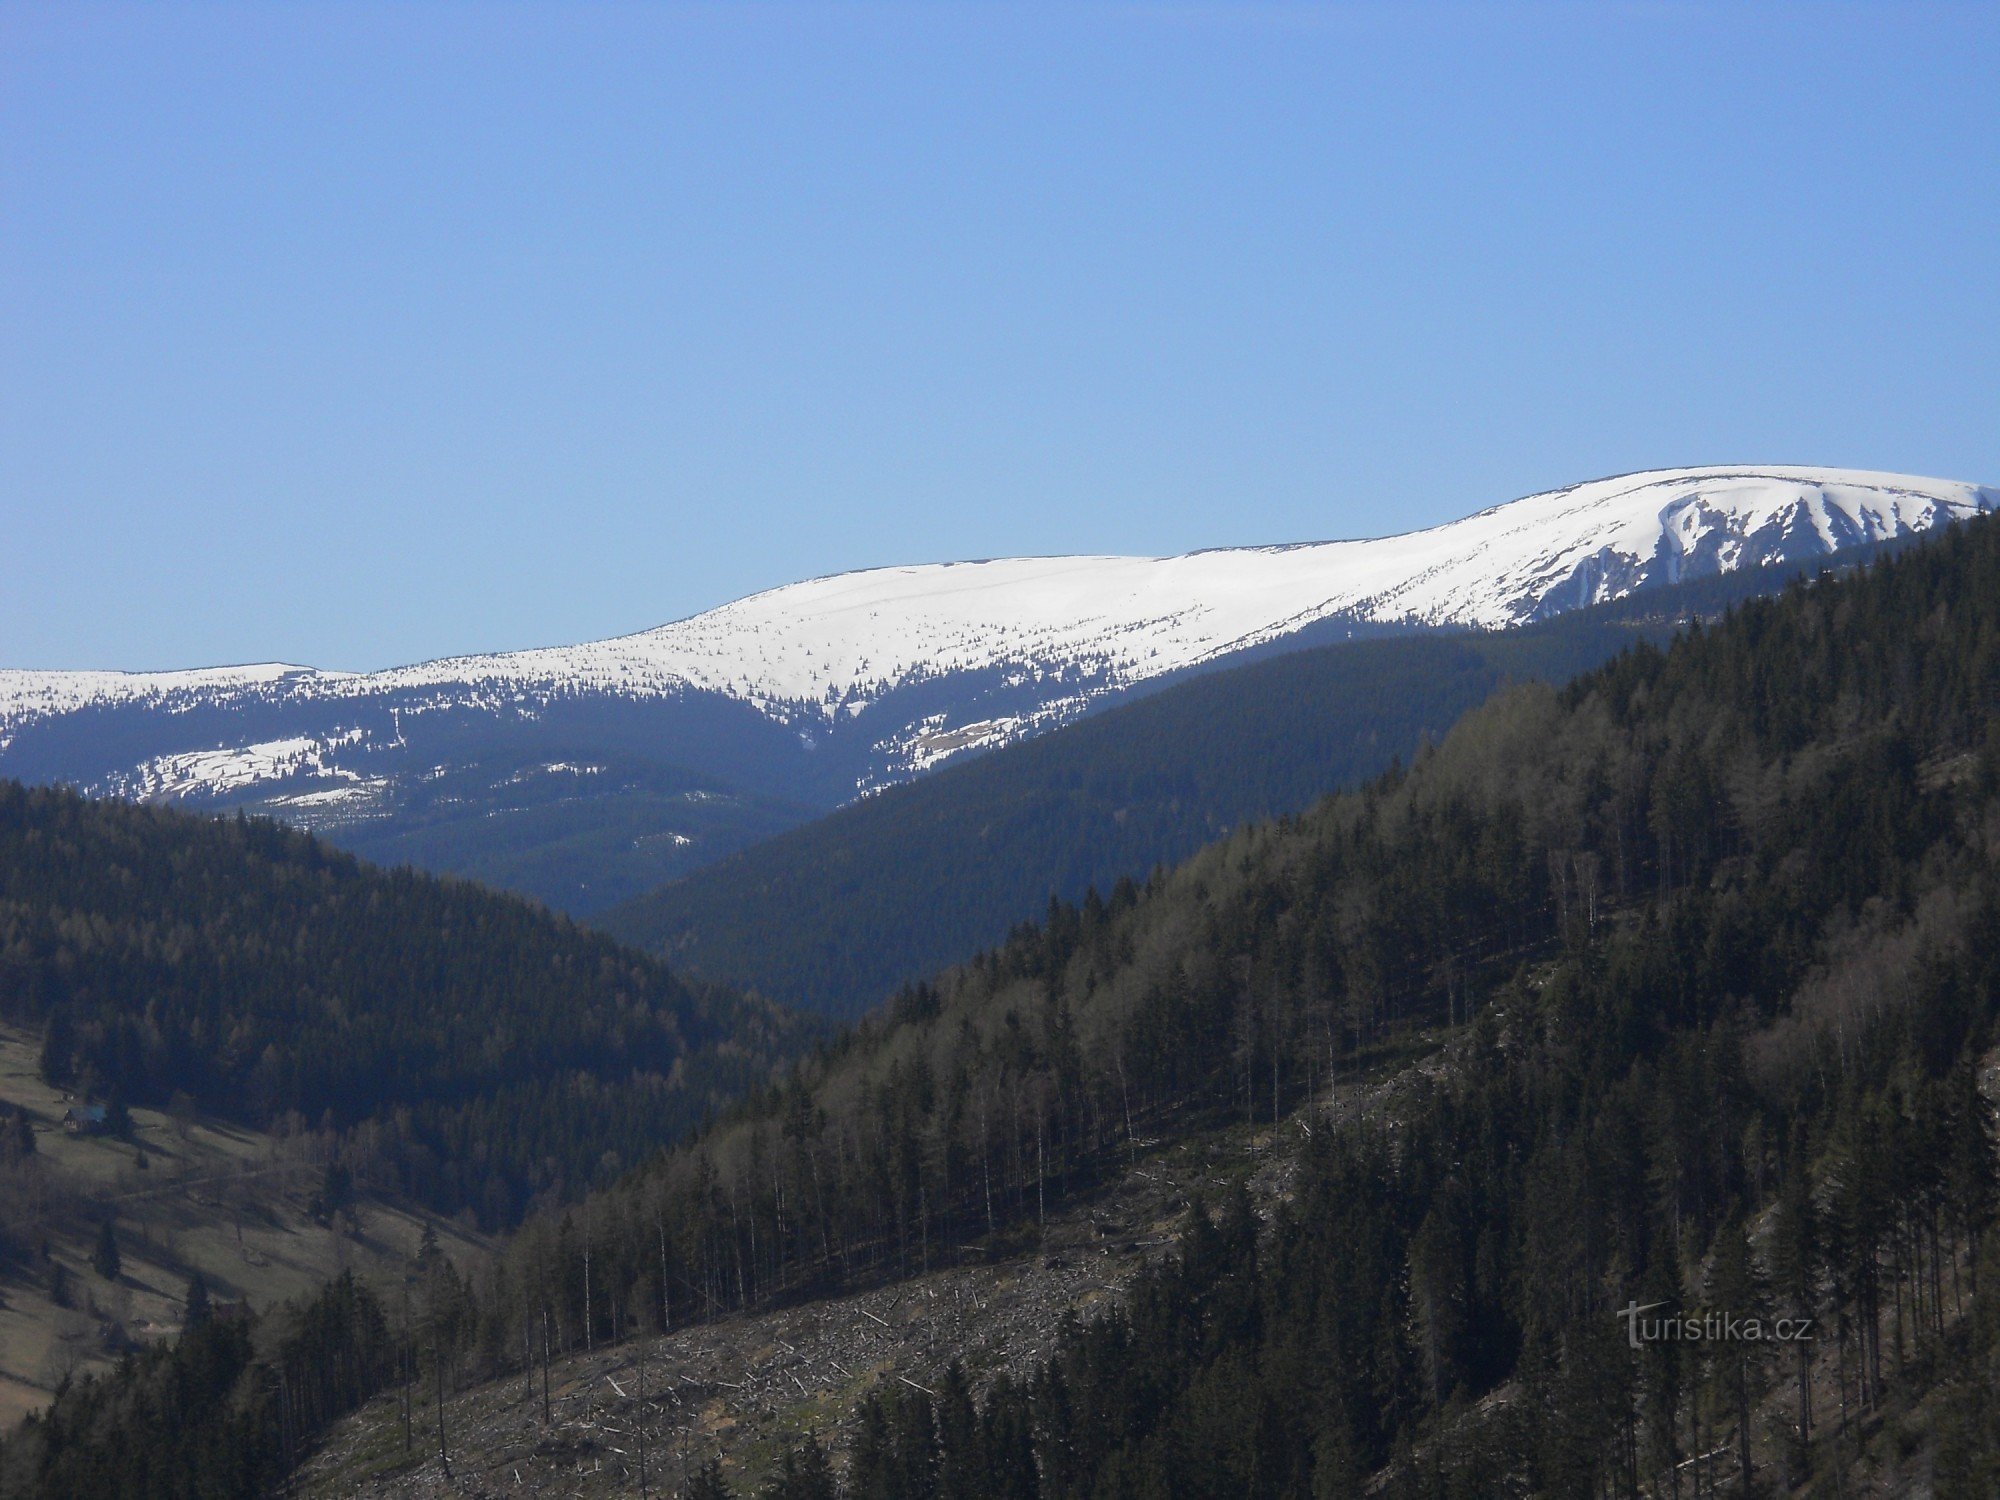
(584, 775)
(825, 649)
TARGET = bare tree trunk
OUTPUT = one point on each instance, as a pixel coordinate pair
(639, 1419)
(437, 1368)
(1041, 1177)
(1274, 1065)
(1743, 1420)
(548, 1411)
(1805, 1394)
(409, 1362)
(986, 1160)
(1125, 1089)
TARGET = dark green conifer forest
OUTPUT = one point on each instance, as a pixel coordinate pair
(1711, 931)
(1701, 957)
(465, 1048)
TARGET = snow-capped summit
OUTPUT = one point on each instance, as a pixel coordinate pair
(828, 647)
(830, 642)
(816, 691)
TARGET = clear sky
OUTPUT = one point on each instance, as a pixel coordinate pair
(355, 334)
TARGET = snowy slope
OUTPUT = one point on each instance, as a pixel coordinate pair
(709, 734)
(831, 641)
(28, 695)
(1062, 630)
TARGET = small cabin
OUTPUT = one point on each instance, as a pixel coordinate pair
(85, 1119)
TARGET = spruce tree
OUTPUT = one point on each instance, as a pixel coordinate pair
(1735, 1290)
(1971, 1189)
(198, 1310)
(17, 1142)
(805, 1473)
(104, 1258)
(1795, 1277)
(871, 1459)
(959, 1475)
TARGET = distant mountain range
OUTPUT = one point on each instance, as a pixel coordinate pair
(587, 774)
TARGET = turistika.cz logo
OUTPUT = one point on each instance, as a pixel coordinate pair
(1711, 1326)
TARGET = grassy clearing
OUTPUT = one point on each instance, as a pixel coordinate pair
(185, 1195)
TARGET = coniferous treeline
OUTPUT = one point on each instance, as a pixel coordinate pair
(1722, 923)
(221, 1413)
(466, 1047)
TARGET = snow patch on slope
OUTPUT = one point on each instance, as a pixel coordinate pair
(234, 768)
(27, 695)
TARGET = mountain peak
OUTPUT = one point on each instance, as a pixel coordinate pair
(827, 642)
(973, 653)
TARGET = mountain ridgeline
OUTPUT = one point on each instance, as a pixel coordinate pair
(1709, 943)
(833, 916)
(587, 774)
(464, 1047)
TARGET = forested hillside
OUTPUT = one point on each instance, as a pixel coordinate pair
(463, 1047)
(579, 830)
(834, 915)
(1701, 956)
(1715, 933)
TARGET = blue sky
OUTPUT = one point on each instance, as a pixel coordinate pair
(356, 334)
